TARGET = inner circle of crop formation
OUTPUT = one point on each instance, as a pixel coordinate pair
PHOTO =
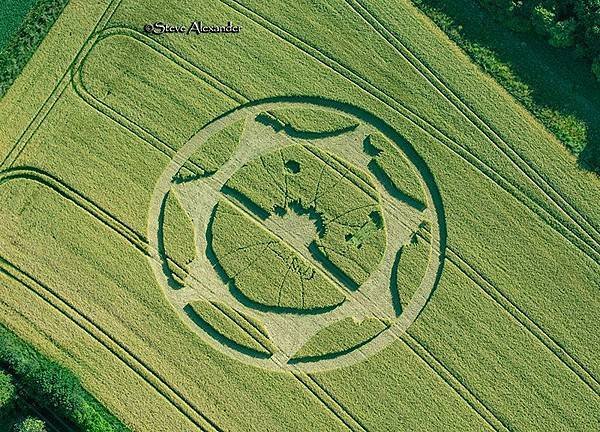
(302, 234)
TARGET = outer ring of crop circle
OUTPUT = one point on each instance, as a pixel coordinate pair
(434, 201)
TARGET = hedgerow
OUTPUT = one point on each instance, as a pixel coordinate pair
(480, 217)
(28, 37)
(31, 424)
(564, 23)
(516, 61)
(7, 390)
(53, 387)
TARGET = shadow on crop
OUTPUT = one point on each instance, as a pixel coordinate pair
(171, 282)
(548, 80)
(210, 330)
(395, 291)
(385, 180)
(335, 354)
(271, 120)
(395, 137)
(239, 295)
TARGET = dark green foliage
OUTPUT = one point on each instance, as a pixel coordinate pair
(23, 44)
(53, 387)
(31, 424)
(596, 68)
(12, 13)
(564, 23)
(562, 33)
(552, 84)
(57, 387)
(542, 20)
(7, 390)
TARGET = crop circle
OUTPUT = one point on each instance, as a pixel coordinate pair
(303, 239)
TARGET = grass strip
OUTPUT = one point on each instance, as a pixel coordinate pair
(22, 45)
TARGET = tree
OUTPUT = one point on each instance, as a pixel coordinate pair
(31, 424)
(561, 33)
(564, 23)
(596, 68)
(543, 20)
(587, 13)
(7, 390)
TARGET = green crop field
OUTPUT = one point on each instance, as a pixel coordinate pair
(330, 219)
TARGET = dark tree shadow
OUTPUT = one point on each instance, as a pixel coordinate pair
(556, 78)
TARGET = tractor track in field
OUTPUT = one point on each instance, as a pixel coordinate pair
(185, 406)
(453, 382)
(44, 110)
(574, 364)
(568, 360)
(418, 121)
(129, 125)
(500, 298)
(61, 188)
(308, 381)
(517, 160)
(313, 387)
(58, 90)
(487, 171)
(509, 186)
(512, 309)
(467, 269)
(321, 393)
(113, 223)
